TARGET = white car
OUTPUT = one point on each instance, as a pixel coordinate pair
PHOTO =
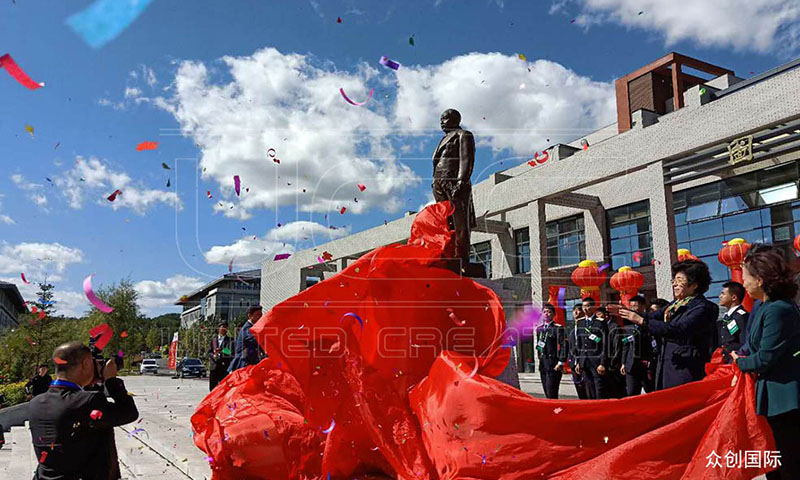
(149, 365)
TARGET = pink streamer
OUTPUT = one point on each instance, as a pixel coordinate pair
(237, 184)
(87, 289)
(19, 75)
(357, 104)
(24, 279)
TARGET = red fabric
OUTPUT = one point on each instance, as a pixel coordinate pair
(402, 388)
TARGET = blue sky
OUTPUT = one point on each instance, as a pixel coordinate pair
(287, 60)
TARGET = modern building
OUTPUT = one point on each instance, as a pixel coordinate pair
(693, 160)
(11, 306)
(226, 298)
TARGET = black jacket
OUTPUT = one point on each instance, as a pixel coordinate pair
(637, 349)
(685, 342)
(591, 349)
(69, 444)
(38, 384)
(732, 341)
(224, 359)
(551, 345)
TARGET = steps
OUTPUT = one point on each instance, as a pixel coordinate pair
(18, 460)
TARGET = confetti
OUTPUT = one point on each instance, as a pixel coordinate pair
(637, 257)
(330, 429)
(87, 289)
(343, 209)
(351, 314)
(603, 267)
(208, 194)
(96, 415)
(104, 20)
(454, 318)
(558, 410)
(703, 91)
(271, 153)
(282, 256)
(101, 334)
(338, 19)
(411, 40)
(521, 56)
(43, 457)
(386, 62)
(124, 334)
(357, 104)
(605, 439)
(585, 144)
(327, 256)
(19, 75)
(23, 279)
(237, 184)
(29, 129)
(475, 368)
(146, 146)
(113, 196)
(362, 187)
(266, 434)
(59, 361)
(561, 294)
(209, 459)
(57, 144)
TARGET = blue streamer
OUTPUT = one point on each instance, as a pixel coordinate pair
(104, 20)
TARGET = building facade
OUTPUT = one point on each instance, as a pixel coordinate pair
(691, 162)
(11, 306)
(225, 299)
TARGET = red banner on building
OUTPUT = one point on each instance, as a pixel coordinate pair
(173, 352)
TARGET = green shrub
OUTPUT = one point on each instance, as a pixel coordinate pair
(14, 393)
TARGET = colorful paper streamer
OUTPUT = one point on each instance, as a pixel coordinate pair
(104, 20)
(19, 75)
(87, 289)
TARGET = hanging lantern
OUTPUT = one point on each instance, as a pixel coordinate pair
(685, 254)
(732, 255)
(589, 277)
(627, 282)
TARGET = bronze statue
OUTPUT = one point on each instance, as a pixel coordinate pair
(453, 161)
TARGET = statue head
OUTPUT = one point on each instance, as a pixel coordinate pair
(450, 120)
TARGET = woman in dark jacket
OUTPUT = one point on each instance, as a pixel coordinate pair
(684, 329)
(775, 351)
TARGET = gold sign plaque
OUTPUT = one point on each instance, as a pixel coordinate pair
(741, 150)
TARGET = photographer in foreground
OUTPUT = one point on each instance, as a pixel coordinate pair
(71, 426)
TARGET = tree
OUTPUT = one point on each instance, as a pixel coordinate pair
(123, 320)
(41, 320)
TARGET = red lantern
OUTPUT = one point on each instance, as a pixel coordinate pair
(589, 277)
(627, 282)
(797, 243)
(552, 299)
(685, 254)
(732, 255)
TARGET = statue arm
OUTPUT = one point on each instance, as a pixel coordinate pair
(466, 153)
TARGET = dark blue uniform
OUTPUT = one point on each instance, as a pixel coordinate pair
(551, 349)
(248, 352)
(731, 330)
(577, 378)
(686, 341)
(637, 354)
(592, 351)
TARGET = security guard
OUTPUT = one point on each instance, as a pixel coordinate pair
(731, 327)
(551, 349)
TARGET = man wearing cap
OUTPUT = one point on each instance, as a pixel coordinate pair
(219, 356)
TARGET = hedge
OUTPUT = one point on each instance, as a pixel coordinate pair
(13, 392)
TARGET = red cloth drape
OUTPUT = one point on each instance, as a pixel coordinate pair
(403, 388)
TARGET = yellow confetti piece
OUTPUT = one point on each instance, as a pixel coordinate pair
(29, 129)
(521, 56)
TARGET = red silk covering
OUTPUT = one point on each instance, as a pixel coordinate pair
(406, 405)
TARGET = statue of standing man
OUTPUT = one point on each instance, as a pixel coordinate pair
(453, 161)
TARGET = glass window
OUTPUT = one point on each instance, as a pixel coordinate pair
(482, 253)
(523, 250)
(630, 235)
(566, 241)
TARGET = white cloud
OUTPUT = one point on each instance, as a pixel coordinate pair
(38, 199)
(145, 73)
(94, 177)
(37, 260)
(105, 102)
(70, 303)
(326, 146)
(6, 219)
(154, 295)
(132, 92)
(756, 25)
(301, 231)
(247, 252)
(556, 103)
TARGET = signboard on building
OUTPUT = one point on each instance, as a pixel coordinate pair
(741, 150)
(173, 352)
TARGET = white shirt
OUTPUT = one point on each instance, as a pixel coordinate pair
(732, 309)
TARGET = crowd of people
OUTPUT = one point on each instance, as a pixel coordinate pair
(617, 351)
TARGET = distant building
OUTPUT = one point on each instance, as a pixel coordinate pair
(691, 162)
(225, 298)
(11, 306)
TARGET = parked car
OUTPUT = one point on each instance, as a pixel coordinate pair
(148, 365)
(191, 367)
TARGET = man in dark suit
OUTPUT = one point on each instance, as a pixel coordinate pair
(248, 352)
(39, 383)
(551, 349)
(220, 355)
(731, 328)
(453, 162)
(592, 352)
(70, 426)
(637, 351)
(572, 350)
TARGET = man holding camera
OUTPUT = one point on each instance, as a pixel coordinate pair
(220, 355)
(70, 426)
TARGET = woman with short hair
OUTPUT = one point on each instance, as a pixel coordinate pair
(775, 351)
(684, 329)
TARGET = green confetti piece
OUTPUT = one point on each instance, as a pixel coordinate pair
(702, 91)
(456, 425)
(411, 40)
